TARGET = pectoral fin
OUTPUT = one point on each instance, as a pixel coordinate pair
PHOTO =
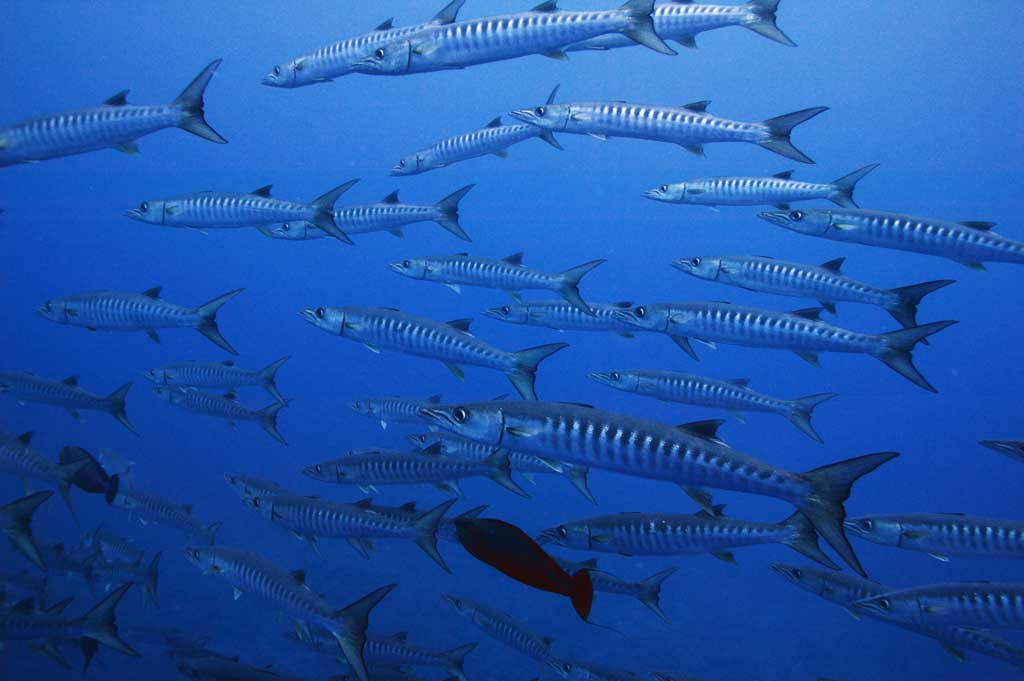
(149, 332)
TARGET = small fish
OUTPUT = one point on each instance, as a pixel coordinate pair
(20, 459)
(16, 523)
(1011, 448)
(507, 274)
(63, 563)
(113, 548)
(147, 311)
(148, 507)
(249, 486)
(145, 574)
(224, 406)
(26, 387)
(514, 553)
(113, 125)
(92, 477)
(224, 375)
(215, 667)
(941, 535)
(563, 316)
(647, 591)
(393, 409)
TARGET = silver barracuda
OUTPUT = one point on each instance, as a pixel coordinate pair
(564, 316)
(250, 573)
(1013, 449)
(779, 190)
(825, 283)
(393, 409)
(63, 563)
(225, 375)
(26, 387)
(113, 125)
(941, 535)
(148, 507)
(18, 458)
(113, 548)
(408, 512)
(225, 407)
(16, 524)
(506, 274)
(147, 311)
(249, 486)
(341, 58)
(801, 332)
(733, 395)
(970, 243)
(216, 667)
(689, 126)
(648, 449)
(984, 605)
(145, 574)
(543, 30)
(380, 328)
(647, 591)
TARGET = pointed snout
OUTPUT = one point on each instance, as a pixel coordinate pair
(451, 600)
(493, 313)
(546, 537)
(524, 115)
(134, 214)
(601, 377)
(653, 194)
(309, 314)
(683, 265)
(432, 415)
(396, 267)
(778, 218)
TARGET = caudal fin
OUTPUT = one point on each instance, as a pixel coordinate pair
(116, 400)
(190, 102)
(582, 594)
(762, 21)
(640, 28)
(904, 310)
(782, 126)
(208, 320)
(211, 533)
(578, 477)
(426, 526)
(19, 531)
(350, 631)
(842, 189)
(524, 375)
(571, 281)
(323, 215)
(448, 212)
(800, 411)
(830, 488)
(268, 375)
(899, 346)
(268, 421)
(99, 626)
(455, 659)
(650, 591)
(67, 473)
(804, 540)
(500, 471)
(152, 577)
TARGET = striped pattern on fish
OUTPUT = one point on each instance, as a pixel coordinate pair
(19, 458)
(225, 407)
(26, 387)
(152, 508)
(647, 591)
(564, 316)
(224, 375)
(393, 409)
(984, 605)
(943, 534)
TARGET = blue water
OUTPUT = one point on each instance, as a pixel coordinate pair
(929, 90)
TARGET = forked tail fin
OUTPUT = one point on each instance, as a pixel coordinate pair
(117, 406)
(268, 420)
(323, 211)
(350, 631)
(500, 471)
(455, 660)
(842, 189)
(781, 127)
(20, 531)
(570, 282)
(804, 540)
(100, 627)
(208, 320)
(524, 375)
(762, 21)
(640, 28)
(899, 346)
(650, 591)
(800, 411)
(904, 310)
(190, 102)
(448, 212)
(427, 525)
(268, 375)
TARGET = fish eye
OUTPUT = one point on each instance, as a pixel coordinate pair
(796, 215)
(319, 313)
(401, 164)
(48, 306)
(696, 261)
(505, 309)
(277, 70)
(379, 54)
(459, 415)
(539, 111)
(664, 187)
(256, 502)
(798, 573)
(144, 206)
(867, 525)
(406, 264)
(562, 532)
(885, 603)
(286, 227)
(566, 667)
(195, 554)
(615, 375)
(319, 468)
(641, 312)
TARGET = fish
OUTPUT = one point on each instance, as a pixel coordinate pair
(515, 554)
(215, 667)
(224, 375)
(941, 535)
(224, 406)
(370, 467)
(393, 409)
(92, 477)
(801, 332)
(148, 507)
(96, 627)
(683, 20)
(689, 126)
(15, 586)
(63, 563)
(113, 548)
(221, 210)
(20, 459)
(779, 190)
(983, 605)
(1011, 448)
(648, 449)
(824, 283)
(340, 58)
(544, 30)
(141, 572)
(507, 274)
(113, 125)
(845, 590)
(249, 486)
(146, 311)
(732, 394)
(312, 519)
(970, 243)
(251, 573)
(647, 591)
(16, 523)
(450, 343)
(564, 316)
(26, 387)
(599, 672)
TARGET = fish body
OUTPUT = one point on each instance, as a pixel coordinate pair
(564, 316)
(26, 387)
(145, 574)
(20, 459)
(92, 477)
(225, 407)
(212, 667)
(152, 508)
(113, 125)
(389, 329)
(63, 563)
(17, 586)
(16, 523)
(393, 409)
(112, 547)
(969, 243)
(225, 375)
(249, 486)
(647, 591)
(943, 534)
(1014, 449)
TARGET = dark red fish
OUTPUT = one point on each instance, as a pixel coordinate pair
(511, 551)
(91, 477)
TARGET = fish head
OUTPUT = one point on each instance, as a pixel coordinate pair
(513, 314)
(292, 231)
(409, 165)
(424, 440)
(547, 116)
(891, 606)
(647, 317)
(878, 530)
(168, 394)
(328, 471)
(206, 558)
(391, 59)
(569, 535)
(462, 606)
(701, 266)
(814, 222)
(58, 310)
(483, 422)
(415, 268)
(329, 319)
(288, 75)
(622, 380)
(808, 580)
(261, 504)
(364, 407)
(158, 376)
(152, 212)
(669, 193)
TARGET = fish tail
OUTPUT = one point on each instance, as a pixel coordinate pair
(570, 282)
(117, 406)
(650, 591)
(578, 478)
(582, 594)
(640, 28)
(350, 631)
(208, 320)
(152, 577)
(781, 127)
(842, 189)
(899, 346)
(20, 531)
(830, 487)
(804, 540)
(211, 533)
(68, 472)
(323, 216)
(455, 659)
(268, 375)
(190, 101)
(524, 375)
(448, 207)
(800, 411)
(501, 472)
(268, 421)
(426, 526)
(904, 310)
(100, 626)
(762, 21)
(112, 487)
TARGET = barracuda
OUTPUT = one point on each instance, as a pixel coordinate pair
(507, 274)
(225, 407)
(26, 387)
(801, 332)
(985, 605)
(249, 486)
(779, 190)
(114, 125)
(647, 591)
(113, 548)
(341, 58)
(543, 30)
(689, 126)
(147, 311)
(389, 329)
(215, 667)
(20, 459)
(943, 534)
(1014, 449)
(148, 507)
(648, 449)
(734, 395)
(564, 316)
(969, 243)
(393, 409)
(16, 523)
(146, 575)
(825, 283)
(248, 572)
(223, 375)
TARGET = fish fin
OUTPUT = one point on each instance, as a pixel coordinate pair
(524, 375)
(268, 378)
(501, 472)
(762, 21)
(263, 191)
(455, 660)
(495, 123)
(456, 370)
(391, 198)
(688, 41)
(208, 320)
(546, 6)
(828, 306)
(804, 540)
(725, 556)
(695, 149)
(598, 136)
(809, 357)
(842, 189)
(19, 531)
(557, 55)
(781, 206)
(852, 614)
(386, 25)
(153, 335)
(323, 207)
(350, 631)
(784, 175)
(908, 298)
(578, 478)
(130, 148)
(781, 127)
(627, 335)
(268, 420)
(900, 344)
(372, 348)
(460, 324)
(397, 232)
(453, 287)
(706, 429)
(100, 626)
(641, 26)
(800, 410)
(119, 99)
(448, 13)
(427, 525)
(939, 557)
(707, 343)
(359, 546)
(684, 343)
(570, 280)
(190, 103)
(978, 224)
(582, 593)
(236, 593)
(650, 591)
(448, 207)
(117, 407)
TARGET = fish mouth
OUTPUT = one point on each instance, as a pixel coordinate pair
(396, 267)
(451, 600)
(397, 170)
(435, 415)
(134, 214)
(779, 219)
(494, 313)
(547, 537)
(654, 194)
(683, 265)
(601, 377)
(787, 571)
(524, 115)
(309, 314)
(625, 316)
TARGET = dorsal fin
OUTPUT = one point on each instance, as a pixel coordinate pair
(809, 313)
(699, 107)
(784, 175)
(447, 14)
(496, 123)
(460, 255)
(386, 25)
(299, 576)
(514, 259)
(153, 292)
(228, 363)
(978, 224)
(235, 658)
(59, 607)
(408, 506)
(434, 399)
(26, 437)
(622, 304)
(399, 636)
(120, 99)
(741, 382)
(461, 324)
(71, 380)
(231, 395)
(578, 404)
(835, 266)
(706, 429)
(263, 191)
(546, 6)
(391, 198)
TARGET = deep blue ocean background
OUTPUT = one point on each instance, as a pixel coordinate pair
(928, 89)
